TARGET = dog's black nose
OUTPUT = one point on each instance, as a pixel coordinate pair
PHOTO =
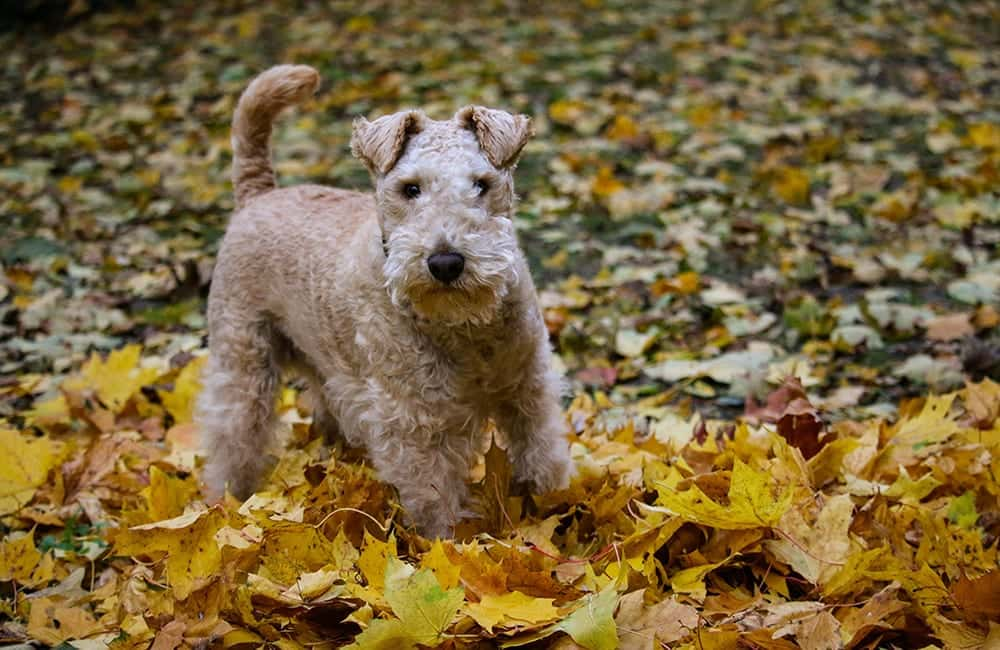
(446, 267)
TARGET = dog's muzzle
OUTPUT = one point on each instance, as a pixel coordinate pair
(446, 267)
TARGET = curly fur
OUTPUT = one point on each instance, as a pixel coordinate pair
(335, 285)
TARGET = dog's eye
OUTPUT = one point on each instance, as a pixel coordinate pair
(411, 190)
(482, 186)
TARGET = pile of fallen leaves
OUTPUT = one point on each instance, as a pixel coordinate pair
(719, 194)
(776, 531)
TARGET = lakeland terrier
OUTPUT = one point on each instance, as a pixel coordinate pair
(411, 313)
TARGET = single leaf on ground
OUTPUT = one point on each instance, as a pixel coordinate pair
(645, 627)
(423, 607)
(18, 558)
(752, 501)
(25, 462)
(116, 378)
(592, 624)
(186, 544)
(514, 608)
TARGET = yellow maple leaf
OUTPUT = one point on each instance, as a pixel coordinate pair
(931, 426)
(692, 580)
(909, 491)
(418, 600)
(791, 185)
(985, 135)
(310, 586)
(437, 561)
(241, 539)
(816, 549)
(115, 379)
(49, 412)
(51, 621)
(751, 502)
(567, 111)
(592, 624)
(384, 634)
(18, 558)
(513, 607)
(166, 496)
(313, 585)
(242, 638)
(290, 549)
(373, 559)
(828, 464)
(25, 462)
(623, 128)
(852, 576)
(605, 184)
(186, 543)
(180, 401)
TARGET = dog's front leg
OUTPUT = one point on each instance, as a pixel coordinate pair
(430, 476)
(534, 422)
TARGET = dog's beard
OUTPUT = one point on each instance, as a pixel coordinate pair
(454, 306)
(473, 299)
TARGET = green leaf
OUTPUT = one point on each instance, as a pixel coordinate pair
(384, 634)
(423, 607)
(962, 510)
(593, 624)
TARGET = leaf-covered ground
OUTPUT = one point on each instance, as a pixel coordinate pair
(721, 195)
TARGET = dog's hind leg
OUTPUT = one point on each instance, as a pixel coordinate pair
(236, 409)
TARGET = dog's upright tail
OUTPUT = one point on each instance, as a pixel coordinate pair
(273, 90)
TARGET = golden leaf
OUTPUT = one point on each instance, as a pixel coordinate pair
(18, 558)
(437, 561)
(115, 379)
(25, 462)
(52, 622)
(511, 608)
(751, 502)
(185, 543)
(166, 496)
(931, 426)
(180, 401)
(985, 135)
(605, 184)
(791, 185)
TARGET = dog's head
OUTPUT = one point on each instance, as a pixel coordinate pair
(445, 194)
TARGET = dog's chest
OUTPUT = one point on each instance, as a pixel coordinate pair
(485, 371)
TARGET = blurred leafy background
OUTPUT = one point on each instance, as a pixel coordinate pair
(806, 185)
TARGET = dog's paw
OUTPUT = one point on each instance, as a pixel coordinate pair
(545, 471)
(435, 527)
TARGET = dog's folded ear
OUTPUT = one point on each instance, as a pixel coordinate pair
(380, 143)
(500, 134)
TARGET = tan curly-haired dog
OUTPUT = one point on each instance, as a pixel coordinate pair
(411, 312)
